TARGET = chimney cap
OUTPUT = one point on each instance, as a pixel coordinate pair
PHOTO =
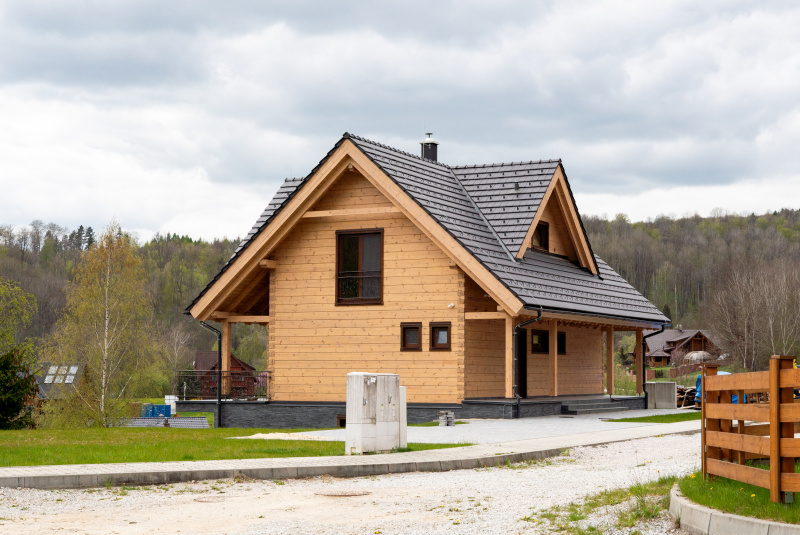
(428, 140)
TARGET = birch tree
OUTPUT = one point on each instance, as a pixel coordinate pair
(105, 328)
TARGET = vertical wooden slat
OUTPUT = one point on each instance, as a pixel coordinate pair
(226, 357)
(639, 360)
(553, 360)
(774, 431)
(740, 456)
(786, 428)
(509, 357)
(610, 361)
(706, 425)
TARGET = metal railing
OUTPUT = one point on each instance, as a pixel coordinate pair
(239, 385)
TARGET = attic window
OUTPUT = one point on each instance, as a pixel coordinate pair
(541, 237)
(359, 261)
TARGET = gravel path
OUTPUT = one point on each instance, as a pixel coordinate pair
(485, 501)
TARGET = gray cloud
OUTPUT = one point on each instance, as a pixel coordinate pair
(633, 96)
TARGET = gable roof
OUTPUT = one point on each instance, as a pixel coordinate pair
(476, 218)
(206, 360)
(674, 338)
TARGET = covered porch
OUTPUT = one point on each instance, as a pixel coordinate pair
(543, 358)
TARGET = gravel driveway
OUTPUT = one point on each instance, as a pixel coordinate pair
(489, 500)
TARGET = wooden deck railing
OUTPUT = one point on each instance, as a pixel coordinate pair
(771, 414)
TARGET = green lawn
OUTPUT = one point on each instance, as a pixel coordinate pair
(133, 445)
(737, 498)
(663, 418)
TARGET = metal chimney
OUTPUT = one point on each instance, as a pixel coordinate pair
(429, 147)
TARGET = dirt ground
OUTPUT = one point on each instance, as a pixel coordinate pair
(490, 500)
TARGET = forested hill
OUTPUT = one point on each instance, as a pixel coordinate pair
(676, 263)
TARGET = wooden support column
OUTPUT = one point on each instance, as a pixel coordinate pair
(610, 361)
(638, 359)
(226, 357)
(552, 368)
(509, 357)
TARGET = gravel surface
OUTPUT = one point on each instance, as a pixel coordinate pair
(485, 501)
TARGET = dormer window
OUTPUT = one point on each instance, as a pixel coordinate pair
(541, 237)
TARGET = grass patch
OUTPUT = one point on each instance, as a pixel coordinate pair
(134, 445)
(639, 502)
(662, 418)
(738, 498)
(434, 424)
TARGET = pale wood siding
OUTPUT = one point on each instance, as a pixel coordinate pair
(314, 343)
(560, 242)
(580, 371)
(485, 359)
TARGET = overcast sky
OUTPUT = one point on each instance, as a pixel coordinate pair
(185, 116)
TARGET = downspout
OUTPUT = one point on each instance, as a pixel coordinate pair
(218, 419)
(516, 331)
(644, 350)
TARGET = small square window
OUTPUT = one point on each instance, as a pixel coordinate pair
(411, 337)
(540, 342)
(440, 336)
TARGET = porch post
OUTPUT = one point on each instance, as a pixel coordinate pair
(610, 361)
(553, 360)
(226, 357)
(638, 359)
(509, 357)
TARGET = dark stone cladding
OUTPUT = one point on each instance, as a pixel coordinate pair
(631, 403)
(293, 415)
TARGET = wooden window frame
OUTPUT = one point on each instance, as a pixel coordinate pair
(359, 301)
(545, 227)
(561, 341)
(410, 325)
(438, 325)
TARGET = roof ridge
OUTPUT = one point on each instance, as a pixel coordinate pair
(502, 164)
(348, 135)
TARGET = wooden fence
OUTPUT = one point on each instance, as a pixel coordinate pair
(771, 416)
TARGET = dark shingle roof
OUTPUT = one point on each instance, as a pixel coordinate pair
(508, 195)
(475, 206)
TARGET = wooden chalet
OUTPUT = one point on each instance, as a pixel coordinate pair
(383, 261)
(663, 345)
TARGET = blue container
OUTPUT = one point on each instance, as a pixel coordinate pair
(162, 411)
(146, 410)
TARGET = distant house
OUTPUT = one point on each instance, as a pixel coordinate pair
(661, 347)
(58, 381)
(241, 378)
(383, 261)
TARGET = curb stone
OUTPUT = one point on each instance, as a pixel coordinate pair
(696, 518)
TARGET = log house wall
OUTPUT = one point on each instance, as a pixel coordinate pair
(314, 343)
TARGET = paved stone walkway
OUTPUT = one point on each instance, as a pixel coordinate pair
(485, 454)
(493, 431)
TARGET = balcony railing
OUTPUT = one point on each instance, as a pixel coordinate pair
(239, 385)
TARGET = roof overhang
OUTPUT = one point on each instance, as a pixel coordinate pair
(347, 157)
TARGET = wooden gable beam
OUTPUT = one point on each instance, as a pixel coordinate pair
(279, 227)
(348, 157)
(438, 235)
(558, 190)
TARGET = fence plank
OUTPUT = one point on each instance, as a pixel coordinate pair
(774, 431)
(790, 376)
(756, 381)
(734, 441)
(790, 412)
(790, 482)
(750, 412)
(743, 473)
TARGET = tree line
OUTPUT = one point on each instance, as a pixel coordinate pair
(735, 274)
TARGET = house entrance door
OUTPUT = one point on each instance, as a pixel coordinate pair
(522, 363)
